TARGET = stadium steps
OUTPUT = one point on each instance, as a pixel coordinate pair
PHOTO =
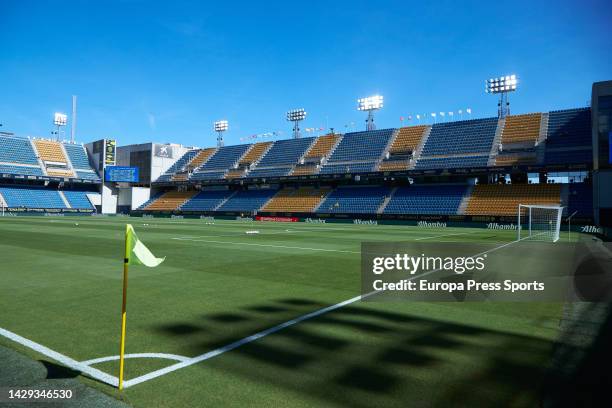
(465, 200)
(68, 161)
(199, 159)
(386, 150)
(41, 164)
(417, 152)
(225, 200)
(541, 141)
(64, 199)
(331, 151)
(255, 153)
(382, 207)
(303, 157)
(501, 124)
(316, 208)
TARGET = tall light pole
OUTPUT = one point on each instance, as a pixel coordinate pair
(220, 127)
(502, 86)
(370, 105)
(59, 120)
(296, 116)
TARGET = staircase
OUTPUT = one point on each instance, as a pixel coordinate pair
(316, 208)
(501, 123)
(332, 150)
(41, 164)
(64, 199)
(386, 149)
(225, 200)
(384, 204)
(263, 154)
(68, 162)
(417, 152)
(541, 141)
(465, 201)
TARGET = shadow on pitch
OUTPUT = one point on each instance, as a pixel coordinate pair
(358, 355)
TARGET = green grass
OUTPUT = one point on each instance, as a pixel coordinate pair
(61, 287)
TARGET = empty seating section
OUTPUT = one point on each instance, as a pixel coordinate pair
(432, 200)
(248, 200)
(580, 199)
(516, 159)
(78, 199)
(463, 137)
(225, 158)
(361, 146)
(180, 163)
(55, 172)
(392, 165)
(569, 137)
(269, 172)
(235, 173)
(354, 200)
(87, 175)
(17, 150)
(347, 168)
(285, 152)
(78, 156)
(303, 199)
(209, 175)
(451, 162)
(322, 146)
(20, 197)
(255, 153)
(200, 158)
(25, 170)
(150, 200)
(408, 139)
(50, 151)
(206, 200)
(521, 129)
(303, 170)
(170, 200)
(504, 199)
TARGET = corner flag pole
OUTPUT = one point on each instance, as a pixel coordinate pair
(126, 261)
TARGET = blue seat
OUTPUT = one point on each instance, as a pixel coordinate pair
(31, 197)
(430, 200)
(206, 200)
(248, 200)
(354, 200)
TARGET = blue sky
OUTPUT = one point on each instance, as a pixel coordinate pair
(165, 71)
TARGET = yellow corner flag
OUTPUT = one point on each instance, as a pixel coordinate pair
(136, 253)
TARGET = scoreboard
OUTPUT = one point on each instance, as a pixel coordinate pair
(121, 174)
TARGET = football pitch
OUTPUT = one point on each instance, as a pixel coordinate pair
(263, 319)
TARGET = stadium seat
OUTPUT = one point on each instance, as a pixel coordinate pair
(504, 199)
(50, 151)
(322, 146)
(78, 199)
(248, 200)
(426, 199)
(32, 198)
(569, 137)
(170, 201)
(17, 150)
(354, 200)
(255, 153)
(206, 200)
(303, 199)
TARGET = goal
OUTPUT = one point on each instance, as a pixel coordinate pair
(539, 222)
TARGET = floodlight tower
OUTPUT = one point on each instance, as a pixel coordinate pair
(296, 116)
(370, 104)
(220, 127)
(59, 120)
(502, 86)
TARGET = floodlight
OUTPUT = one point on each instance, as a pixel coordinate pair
(221, 126)
(60, 119)
(370, 103)
(502, 86)
(295, 116)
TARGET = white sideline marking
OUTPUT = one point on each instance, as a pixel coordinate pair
(135, 355)
(60, 358)
(274, 329)
(445, 235)
(265, 245)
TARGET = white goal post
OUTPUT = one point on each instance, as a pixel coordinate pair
(539, 222)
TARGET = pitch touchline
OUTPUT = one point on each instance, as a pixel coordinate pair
(274, 329)
(265, 245)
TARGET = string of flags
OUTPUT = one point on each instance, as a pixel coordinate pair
(434, 115)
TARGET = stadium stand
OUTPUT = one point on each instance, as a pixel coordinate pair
(209, 175)
(304, 169)
(516, 159)
(31, 197)
(322, 146)
(361, 146)
(354, 200)
(22, 170)
(270, 172)
(206, 200)
(504, 199)
(348, 168)
(50, 151)
(255, 153)
(170, 201)
(178, 165)
(569, 137)
(429, 163)
(302, 199)
(200, 158)
(285, 152)
(78, 199)
(17, 150)
(426, 199)
(154, 197)
(80, 162)
(235, 173)
(225, 157)
(248, 200)
(401, 151)
(521, 128)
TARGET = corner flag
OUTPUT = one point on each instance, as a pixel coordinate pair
(136, 253)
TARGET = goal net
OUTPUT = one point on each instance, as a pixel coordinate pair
(539, 222)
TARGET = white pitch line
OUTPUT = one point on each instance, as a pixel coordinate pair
(274, 329)
(266, 245)
(60, 358)
(136, 355)
(444, 235)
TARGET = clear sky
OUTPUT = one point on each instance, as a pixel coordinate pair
(165, 71)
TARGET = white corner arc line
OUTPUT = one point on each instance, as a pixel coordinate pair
(163, 356)
(213, 353)
(60, 358)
